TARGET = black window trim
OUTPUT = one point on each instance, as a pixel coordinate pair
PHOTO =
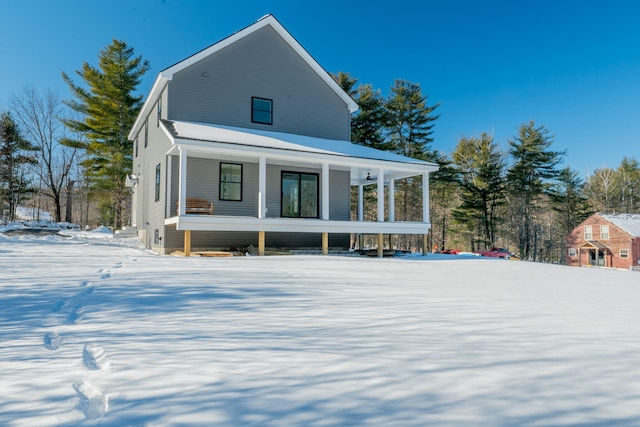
(241, 181)
(270, 123)
(317, 175)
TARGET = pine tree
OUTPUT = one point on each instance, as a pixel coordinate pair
(628, 177)
(533, 172)
(410, 123)
(481, 166)
(109, 109)
(15, 153)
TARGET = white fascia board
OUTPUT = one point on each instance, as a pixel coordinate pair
(156, 90)
(301, 156)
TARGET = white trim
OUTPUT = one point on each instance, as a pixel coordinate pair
(262, 187)
(182, 193)
(425, 197)
(325, 191)
(361, 202)
(392, 201)
(168, 174)
(294, 225)
(380, 195)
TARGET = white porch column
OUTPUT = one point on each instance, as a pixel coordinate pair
(325, 191)
(262, 187)
(392, 201)
(168, 208)
(380, 195)
(360, 202)
(425, 197)
(182, 189)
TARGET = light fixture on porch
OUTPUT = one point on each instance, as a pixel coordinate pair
(369, 177)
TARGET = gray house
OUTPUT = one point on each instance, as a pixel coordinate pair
(247, 143)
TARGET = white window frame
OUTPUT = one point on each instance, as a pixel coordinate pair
(588, 232)
(573, 252)
(604, 235)
(625, 252)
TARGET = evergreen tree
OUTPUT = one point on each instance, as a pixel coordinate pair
(109, 109)
(15, 153)
(533, 172)
(443, 194)
(410, 123)
(481, 166)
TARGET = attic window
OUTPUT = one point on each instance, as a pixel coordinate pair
(604, 232)
(261, 111)
(588, 232)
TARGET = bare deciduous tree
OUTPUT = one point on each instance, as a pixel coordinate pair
(39, 115)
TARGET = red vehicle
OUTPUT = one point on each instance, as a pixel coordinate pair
(450, 251)
(496, 253)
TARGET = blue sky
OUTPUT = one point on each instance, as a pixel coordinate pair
(573, 66)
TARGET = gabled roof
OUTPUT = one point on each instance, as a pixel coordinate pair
(168, 73)
(627, 222)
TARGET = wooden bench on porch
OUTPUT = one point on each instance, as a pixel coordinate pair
(197, 206)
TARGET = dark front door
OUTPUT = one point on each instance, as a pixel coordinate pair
(599, 261)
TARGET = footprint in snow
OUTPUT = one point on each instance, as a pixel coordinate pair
(52, 341)
(75, 316)
(86, 291)
(58, 306)
(118, 265)
(85, 283)
(94, 357)
(105, 275)
(93, 402)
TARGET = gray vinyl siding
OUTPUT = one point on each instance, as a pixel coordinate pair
(151, 213)
(260, 65)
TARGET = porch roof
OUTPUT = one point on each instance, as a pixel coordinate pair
(592, 244)
(358, 158)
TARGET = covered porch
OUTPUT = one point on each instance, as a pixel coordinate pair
(271, 153)
(593, 253)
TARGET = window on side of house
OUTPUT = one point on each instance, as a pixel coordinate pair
(261, 110)
(588, 232)
(159, 111)
(158, 182)
(230, 181)
(136, 147)
(604, 232)
(573, 252)
(299, 195)
(146, 133)
(624, 253)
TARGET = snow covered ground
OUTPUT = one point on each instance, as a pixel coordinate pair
(98, 331)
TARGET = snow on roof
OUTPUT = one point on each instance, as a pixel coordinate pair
(281, 141)
(628, 222)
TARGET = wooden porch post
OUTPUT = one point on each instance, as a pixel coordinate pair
(260, 243)
(380, 245)
(325, 243)
(425, 242)
(187, 242)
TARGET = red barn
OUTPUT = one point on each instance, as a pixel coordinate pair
(605, 240)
